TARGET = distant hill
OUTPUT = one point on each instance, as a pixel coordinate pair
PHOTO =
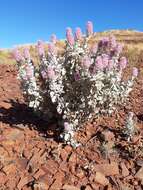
(131, 38)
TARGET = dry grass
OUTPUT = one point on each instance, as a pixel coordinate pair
(133, 41)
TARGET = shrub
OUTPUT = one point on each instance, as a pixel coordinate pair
(78, 84)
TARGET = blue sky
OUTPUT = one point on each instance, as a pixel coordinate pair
(26, 21)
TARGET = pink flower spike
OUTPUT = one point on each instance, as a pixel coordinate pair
(119, 48)
(105, 60)
(77, 75)
(17, 55)
(40, 43)
(135, 72)
(40, 48)
(53, 39)
(67, 126)
(52, 49)
(110, 64)
(104, 42)
(68, 31)
(51, 73)
(112, 42)
(69, 36)
(41, 51)
(44, 74)
(122, 63)
(30, 72)
(26, 53)
(99, 64)
(86, 62)
(89, 28)
(78, 34)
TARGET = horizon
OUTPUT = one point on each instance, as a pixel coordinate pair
(47, 41)
(26, 22)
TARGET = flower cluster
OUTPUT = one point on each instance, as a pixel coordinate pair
(79, 84)
(26, 74)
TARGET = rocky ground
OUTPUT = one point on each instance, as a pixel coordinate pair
(31, 158)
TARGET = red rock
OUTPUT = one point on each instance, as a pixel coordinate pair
(70, 187)
(56, 185)
(51, 166)
(8, 143)
(3, 178)
(73, 179)
(24, 181)
(66, 151)
(60, 176)
(12, 182)
(68, 148)
(4, 155)
(107, 169)
(95, 186)
(47, 179)
(39, 173)
(125, 171)
(64, 154)
(27, 153)
(92, 155)
(72, 166)
(22, 163)
(14, 134)
(36, 160)
(91, 178)
(80, 173)
(5, 105)
(109, 187)
(35, 157)
(90, 129)
(139, 174)
(26, 188)
(64, 166)
(82, 182)
(88, 187)
(73, 158)
(101, 179)
(40, 185)
(9, 169)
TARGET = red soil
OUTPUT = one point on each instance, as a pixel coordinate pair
(32, 158)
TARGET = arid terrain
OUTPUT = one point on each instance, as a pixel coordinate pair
(31, 158)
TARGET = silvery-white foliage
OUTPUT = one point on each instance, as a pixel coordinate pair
(129, 128)
(29, 85)
(68, 136)
(78, 84)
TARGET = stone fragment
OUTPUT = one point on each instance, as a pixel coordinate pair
(39, 173)
(52, 166)
(9, 169)
(14, 134)
(139, 174)
(88, 187)
(125, 171)
(5, 105)
(107, 169)
(3, 178)
(101, 179)
(70, 187)
(22, 163)
(47, 179)
(24, 181)
(40, 185)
